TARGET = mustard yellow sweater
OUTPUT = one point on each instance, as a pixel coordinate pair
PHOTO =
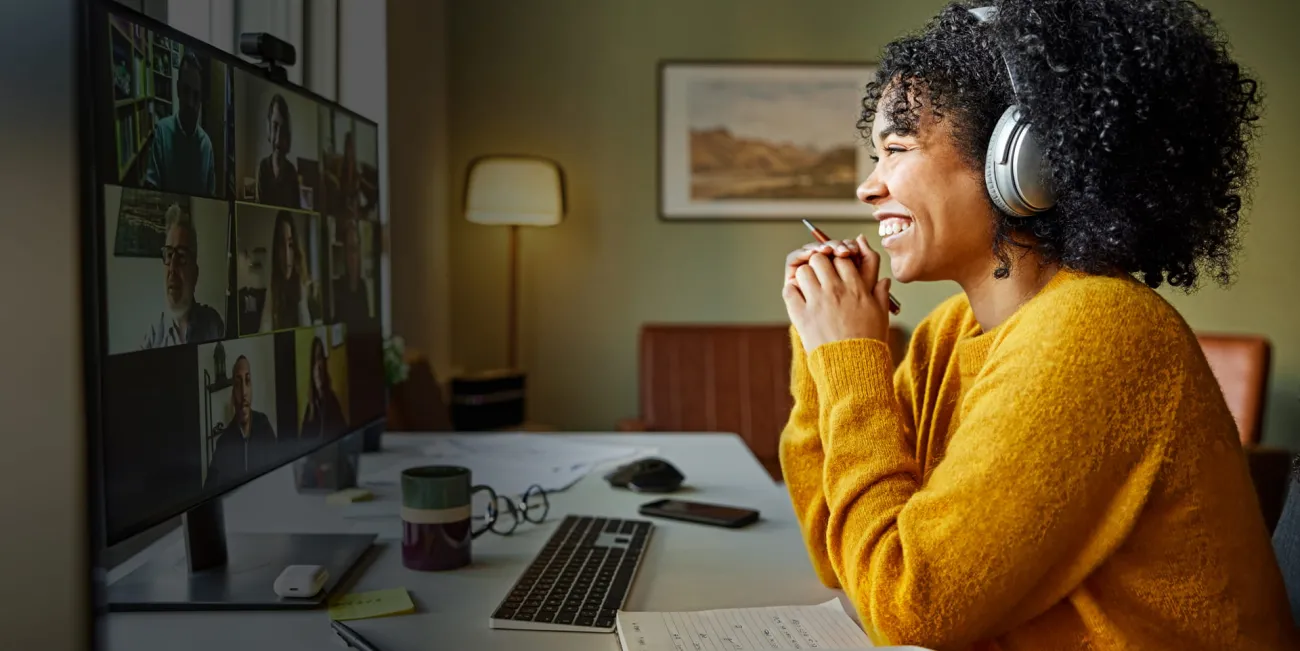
(1071, 479)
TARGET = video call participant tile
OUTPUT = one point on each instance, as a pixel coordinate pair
(279, 269)
(167, 268)
(246, 403)
(277, 157)
(350, 158)
(322, 375)
(171, 113)
(149, 415)
(354, 273)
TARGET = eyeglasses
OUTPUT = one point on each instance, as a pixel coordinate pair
(532, 507)
(175, 254)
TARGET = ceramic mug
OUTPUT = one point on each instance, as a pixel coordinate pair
(436, 517)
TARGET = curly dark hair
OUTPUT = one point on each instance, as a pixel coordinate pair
(1144, 119)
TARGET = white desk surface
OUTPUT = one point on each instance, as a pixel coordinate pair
(686, 566)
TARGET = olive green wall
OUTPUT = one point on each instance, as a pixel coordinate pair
(575, 80)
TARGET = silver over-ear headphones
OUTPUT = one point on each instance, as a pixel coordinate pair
(1013, 170)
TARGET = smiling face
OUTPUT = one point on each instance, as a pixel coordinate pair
(935, 218)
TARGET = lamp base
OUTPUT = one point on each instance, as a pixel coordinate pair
(488, 400)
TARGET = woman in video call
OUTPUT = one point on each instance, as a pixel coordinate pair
(277, 178)
(324, 414)
(350, 178)
(290, 290)
(1052, 464)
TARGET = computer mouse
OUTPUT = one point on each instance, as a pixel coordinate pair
(649, 475)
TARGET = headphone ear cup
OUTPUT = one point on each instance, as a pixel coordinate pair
(992, 161)
(1013, 168)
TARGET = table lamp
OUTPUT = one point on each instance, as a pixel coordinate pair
(513, 191)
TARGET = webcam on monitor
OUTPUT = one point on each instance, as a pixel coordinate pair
(272, 53)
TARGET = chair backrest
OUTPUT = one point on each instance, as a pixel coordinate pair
(1241, 365)
(722, 378)
(1286, 545)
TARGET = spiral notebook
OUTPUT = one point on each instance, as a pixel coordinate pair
(825, 626)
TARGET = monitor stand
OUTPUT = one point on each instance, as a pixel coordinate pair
(216, 571)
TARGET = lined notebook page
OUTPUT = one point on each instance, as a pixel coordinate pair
(826, 626)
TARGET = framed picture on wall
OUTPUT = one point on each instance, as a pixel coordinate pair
(761, 140)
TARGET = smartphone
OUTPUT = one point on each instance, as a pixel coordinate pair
(718, 515)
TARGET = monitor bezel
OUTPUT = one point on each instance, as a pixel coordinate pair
(94, 86)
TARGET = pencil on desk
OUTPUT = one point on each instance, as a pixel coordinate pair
(894, 306)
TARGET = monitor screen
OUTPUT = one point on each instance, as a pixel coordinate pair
(236, 281)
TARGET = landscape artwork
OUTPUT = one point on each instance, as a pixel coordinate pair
(761, 140)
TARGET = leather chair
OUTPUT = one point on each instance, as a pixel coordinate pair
(1241, 365)
(721, 378)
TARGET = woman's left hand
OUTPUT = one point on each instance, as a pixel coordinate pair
(832, 300)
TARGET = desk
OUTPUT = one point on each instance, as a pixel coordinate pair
(686, 566)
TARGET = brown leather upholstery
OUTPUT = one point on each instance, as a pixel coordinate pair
(720, 378)
(1241, 364)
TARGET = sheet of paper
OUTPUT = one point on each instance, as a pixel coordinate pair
(824, 626)
(554, 447)
(376, 603)
(509, 463)
(505, 477)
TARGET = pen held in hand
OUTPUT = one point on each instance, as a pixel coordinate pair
(894, 306)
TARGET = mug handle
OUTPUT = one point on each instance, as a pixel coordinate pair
(491, 517)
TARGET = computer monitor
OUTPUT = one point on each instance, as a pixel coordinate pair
(232, 297)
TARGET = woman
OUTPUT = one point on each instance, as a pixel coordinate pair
(349, 178)
(1052, 465)
(287, 294)
(324, 414)
(277, 178)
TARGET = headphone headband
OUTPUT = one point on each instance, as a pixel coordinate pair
(987, 14)
(1012, 164)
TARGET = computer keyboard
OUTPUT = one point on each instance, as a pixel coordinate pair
(580, 578)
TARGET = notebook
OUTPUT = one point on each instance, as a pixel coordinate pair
(825, 626)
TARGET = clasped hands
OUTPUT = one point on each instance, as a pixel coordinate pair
(832, 293)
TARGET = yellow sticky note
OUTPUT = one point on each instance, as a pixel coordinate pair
(348, 496)
(377, 603)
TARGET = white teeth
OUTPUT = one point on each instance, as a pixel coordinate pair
(893, 227)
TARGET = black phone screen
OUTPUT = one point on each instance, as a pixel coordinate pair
(701, 512)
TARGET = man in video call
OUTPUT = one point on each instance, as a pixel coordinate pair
(351, 294)
(277, 178)
(247, 443)
(180, 158)
(185, 320)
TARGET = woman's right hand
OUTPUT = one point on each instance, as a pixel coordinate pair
(834, 249)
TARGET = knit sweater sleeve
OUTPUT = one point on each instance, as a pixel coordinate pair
(1043, 475)
(802, 457)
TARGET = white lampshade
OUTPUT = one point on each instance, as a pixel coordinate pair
(514, 190)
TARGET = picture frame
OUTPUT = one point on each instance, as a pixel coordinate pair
(761, 140)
